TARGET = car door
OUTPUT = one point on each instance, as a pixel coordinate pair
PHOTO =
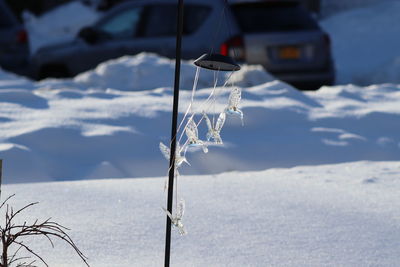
(159, 34)
(116, 37)
(149, 27)
(152, 28)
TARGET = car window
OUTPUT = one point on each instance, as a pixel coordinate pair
(6, 17)
(161, 20)
(272, 17)
(195, 17)
(123, 24)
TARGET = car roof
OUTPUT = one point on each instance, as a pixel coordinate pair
(149, 2)
(7, 15)
(124, 5)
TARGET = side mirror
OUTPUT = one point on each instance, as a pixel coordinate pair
(89, 34)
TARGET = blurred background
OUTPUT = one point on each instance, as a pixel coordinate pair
(307, 43)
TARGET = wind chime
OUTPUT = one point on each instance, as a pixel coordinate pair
(176, 153)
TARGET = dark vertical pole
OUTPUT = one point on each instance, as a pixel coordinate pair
(1, 175)
(173, 131)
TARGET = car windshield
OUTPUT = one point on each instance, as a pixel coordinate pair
(273, 17)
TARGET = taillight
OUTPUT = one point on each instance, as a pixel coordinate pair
(22, 37)
(234, 48)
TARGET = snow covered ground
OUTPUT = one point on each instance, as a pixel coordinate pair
(311, 179)
(330, 215)
(56, 130)
(342, 214)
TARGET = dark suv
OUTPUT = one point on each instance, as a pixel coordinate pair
(282, 36)
(14, 48)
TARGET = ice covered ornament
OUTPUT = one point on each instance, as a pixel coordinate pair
(233, 103)
(214, 130)
(177, 219)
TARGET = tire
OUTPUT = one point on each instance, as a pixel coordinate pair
(54, 71)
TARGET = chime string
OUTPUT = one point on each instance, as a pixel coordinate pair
(213, 95)
(216, 32)
(196, 78)
(189, 108)
(210, 102)
(204, 103)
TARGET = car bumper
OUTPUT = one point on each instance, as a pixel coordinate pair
(309, 80)
(17, 62)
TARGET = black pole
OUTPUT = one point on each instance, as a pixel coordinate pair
(173, 131)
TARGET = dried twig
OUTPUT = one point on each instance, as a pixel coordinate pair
(12, 233)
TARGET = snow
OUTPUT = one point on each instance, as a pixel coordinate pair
(329, 215)
(331, 7)
(59, 25)
(57, 130)
(365, 44)
(133, 73)
(311, 179)
(274, 211)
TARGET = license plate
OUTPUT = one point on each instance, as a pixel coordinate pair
(289, 52)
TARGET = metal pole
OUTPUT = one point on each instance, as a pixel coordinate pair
(173, 131)
(1, 175)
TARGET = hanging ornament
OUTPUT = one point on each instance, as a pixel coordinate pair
(192, 134)
(233, 103)
(217, 62)
(179, 159)
(177, 220)
(214, 131)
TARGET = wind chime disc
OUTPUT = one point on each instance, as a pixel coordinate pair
(217, 62)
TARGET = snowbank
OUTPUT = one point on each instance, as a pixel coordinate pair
(332, 7)
(333, 215)
(148, 71)
(365, 44)
(59, 25)
(57, 131)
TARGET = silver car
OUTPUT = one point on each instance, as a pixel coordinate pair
(282, 36)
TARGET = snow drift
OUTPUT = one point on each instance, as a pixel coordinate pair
(331, 215)
(365, 44)
(54, 130)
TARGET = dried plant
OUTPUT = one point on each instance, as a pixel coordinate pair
(14, 234)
